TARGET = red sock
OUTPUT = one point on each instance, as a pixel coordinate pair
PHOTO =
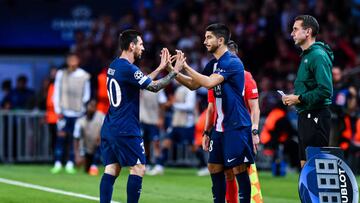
(231, 191)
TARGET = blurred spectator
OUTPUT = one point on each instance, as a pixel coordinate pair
(182, 126)
(87, 139)
(21, 97)
(102, 94)
(72, 91)
(5, 89)
(152, 113)
(51, 117)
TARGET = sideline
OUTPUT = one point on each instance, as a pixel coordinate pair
(51, 190)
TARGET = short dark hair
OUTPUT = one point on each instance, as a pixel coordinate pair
(309, 21)
(220, 30)
(233, 46)
(126, 37)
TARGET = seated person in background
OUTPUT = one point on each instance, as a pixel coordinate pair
(87, 138)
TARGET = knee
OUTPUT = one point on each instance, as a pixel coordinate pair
(61, 134)
(229, 174)
(240, 169)
(215, 168)
(112, 169)
(138, 170)
(167, 143)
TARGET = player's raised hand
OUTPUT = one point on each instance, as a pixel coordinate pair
(164, 58)
(180, 60)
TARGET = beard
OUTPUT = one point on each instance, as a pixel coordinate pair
(213, 49)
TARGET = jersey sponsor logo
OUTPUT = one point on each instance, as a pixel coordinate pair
(231, 160)
(138, 75)
(326, 178)
(111, 71)
(254, 91)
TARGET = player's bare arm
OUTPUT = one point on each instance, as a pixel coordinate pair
(255, 117)
(181, 78)
(205, 81)
(157, 85)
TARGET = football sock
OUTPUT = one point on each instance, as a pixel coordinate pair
(244, 187)
(59, 148)
(231, 191)
(218, 187)
(133, 188)
(106, 187)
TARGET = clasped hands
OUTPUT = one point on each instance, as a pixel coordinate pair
(167, 61)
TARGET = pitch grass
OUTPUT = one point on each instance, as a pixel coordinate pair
(176, 186)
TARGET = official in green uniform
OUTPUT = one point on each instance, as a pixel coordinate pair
(313, 86)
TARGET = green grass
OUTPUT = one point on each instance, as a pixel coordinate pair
(176, 186)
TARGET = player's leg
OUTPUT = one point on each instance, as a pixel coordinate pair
(68, 144)
(231, 187)
(243, 180)
(59, 146)
(135, 157)
(134, 183)
(216, 167)
(163, 157)
(238, 154)
(111, 172)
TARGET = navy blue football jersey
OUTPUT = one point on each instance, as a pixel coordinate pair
(124, 81)
(231, 112)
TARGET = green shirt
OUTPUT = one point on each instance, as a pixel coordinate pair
(314, 77)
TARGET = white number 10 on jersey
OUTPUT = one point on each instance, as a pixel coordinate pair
(113, 83)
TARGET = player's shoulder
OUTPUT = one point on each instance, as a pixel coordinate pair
(82, 72)
(230, 60)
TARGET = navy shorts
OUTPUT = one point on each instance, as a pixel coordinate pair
(150, 132)
(181, 135)
(231, 148)
(125, 150)
(66, 124)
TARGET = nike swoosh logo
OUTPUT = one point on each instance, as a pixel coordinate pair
(230, 160)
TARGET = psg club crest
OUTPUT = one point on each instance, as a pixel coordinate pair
(326, 178)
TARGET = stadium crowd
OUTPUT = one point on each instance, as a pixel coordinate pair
(261, 28)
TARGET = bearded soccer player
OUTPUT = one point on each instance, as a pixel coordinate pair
(121, 142)
(252, 103)
(230, 144)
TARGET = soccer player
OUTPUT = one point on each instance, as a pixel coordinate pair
(72, 91)
(121, 141)
(313, 86)
(230, 144)
(252, 103)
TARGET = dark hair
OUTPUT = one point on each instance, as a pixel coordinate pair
(233, 46)
(22, 78)
(126, 37)
(6, 84)
(220, 30)
(72, 54)
(309, 22)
